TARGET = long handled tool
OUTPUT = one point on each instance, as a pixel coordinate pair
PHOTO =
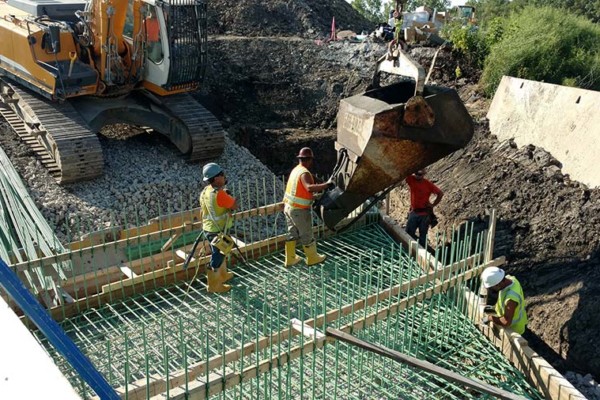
(190, 255)
(475, 384)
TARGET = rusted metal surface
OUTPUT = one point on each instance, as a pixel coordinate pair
(379, 145)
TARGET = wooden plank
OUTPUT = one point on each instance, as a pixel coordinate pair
(92, 282)
(183, 255)
(154, 280)
(424, 259)
(127, 272)
(148, 233)
(165, 223)
(489, 253)
(169, 243)
(538, 371)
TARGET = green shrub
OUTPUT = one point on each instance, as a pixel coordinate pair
(546, 44)
(494, 31)
(467, 40)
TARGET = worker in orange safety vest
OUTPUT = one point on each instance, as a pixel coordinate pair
(298, 201)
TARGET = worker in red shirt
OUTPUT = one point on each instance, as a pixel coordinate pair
(421, 209)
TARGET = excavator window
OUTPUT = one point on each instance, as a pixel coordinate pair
(154, 43)
(128, 28)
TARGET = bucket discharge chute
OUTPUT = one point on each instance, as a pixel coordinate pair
(387, 133)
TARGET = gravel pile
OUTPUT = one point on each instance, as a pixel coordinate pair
(145, 176)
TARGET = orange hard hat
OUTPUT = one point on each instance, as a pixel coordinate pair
(305, 152)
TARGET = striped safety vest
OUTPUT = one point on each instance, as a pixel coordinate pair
(214, 217)
(513, 292)
(296, 195)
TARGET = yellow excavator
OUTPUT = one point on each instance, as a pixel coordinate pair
(387, 133)
(70, 67)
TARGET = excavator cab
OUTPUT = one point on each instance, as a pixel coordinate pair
(176, 44)
(387, 133)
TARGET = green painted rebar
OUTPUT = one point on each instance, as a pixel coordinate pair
(180, 327)
(328, 288)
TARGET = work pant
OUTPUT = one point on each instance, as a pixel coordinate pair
(216, 258)
(299, 224)
(421, 222)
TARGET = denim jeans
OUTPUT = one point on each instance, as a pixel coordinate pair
(217, 257)
(421, 222)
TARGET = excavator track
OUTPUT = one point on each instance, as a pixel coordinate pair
(55, 132)
(206, 133)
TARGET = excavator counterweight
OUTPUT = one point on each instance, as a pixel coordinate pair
(387, 133)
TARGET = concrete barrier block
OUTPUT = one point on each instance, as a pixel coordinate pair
(565, 121)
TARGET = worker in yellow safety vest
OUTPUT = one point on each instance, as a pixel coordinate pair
(298, 214)
(510, 306)
(216, 204)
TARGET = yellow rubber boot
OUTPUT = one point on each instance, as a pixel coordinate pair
(215, 284)
(312, 257)
(224, 274)
(290, 254)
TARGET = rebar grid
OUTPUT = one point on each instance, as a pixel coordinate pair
(160, 333)
(341, 371)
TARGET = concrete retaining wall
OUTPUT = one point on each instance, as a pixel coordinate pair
(564, 121)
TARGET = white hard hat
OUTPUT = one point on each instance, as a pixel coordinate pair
(492, 276)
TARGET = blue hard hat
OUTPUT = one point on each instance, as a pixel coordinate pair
(211, 170)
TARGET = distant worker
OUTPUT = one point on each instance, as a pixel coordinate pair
(421, 209)
(298, 212)
(510, 306)
(398, 17)
(216, 204)
(153, 36)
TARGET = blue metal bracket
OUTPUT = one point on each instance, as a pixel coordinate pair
(54, 333)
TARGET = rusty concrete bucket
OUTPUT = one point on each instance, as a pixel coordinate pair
(379, 143)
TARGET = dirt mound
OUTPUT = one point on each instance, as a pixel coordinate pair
(305, 18)
(289, 98)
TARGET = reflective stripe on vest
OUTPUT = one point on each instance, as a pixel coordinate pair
(296, 195)
(513, 292)
(214, 217)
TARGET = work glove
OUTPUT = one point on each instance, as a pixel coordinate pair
(330, 183)
(485, 321)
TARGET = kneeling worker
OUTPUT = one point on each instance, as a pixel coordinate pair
(216, 206)
(298, 213)
(510, 306)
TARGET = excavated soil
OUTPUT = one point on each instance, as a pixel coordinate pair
(275, 82)
(278, 94)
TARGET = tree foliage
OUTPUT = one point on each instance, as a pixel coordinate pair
(370, 9)
(467, 40)
(545, 44)
(489, 9)
(440, 5)
(379, 10)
